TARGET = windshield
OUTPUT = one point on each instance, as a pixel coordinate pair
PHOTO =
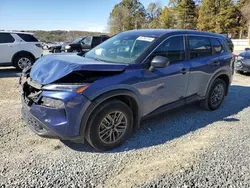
(77, 40)
(122, 48)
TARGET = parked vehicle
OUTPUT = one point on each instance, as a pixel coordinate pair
(84, 44)
(243, 62)
(56, 47)
(19, 49)
(102, 96)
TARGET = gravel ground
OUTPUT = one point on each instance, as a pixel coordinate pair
(187, 147)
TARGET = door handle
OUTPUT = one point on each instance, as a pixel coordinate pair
(184, 71)
(216, 63)
(10, 45)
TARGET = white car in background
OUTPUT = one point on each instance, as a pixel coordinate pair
(19, 49)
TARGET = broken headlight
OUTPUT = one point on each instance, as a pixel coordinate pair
(66, 87)
(52, 103)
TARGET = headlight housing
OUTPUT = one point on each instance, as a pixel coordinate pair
(66, 87)
(67, 47)
(52, 103)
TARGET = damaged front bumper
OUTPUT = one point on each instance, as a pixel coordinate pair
(63, 123)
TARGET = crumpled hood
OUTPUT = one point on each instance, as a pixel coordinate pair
(50, 68)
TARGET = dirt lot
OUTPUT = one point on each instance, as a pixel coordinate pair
(188, 147)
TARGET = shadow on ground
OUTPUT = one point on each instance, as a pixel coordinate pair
(9, 72)
(176, 123)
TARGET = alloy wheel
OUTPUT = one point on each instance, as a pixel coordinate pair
(23, 62)
(113, 127)
(217, 95)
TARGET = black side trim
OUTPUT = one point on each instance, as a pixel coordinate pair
(6, 64)
(173, 105)
(165, 108)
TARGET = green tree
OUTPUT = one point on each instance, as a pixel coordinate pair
(220, 16)
(184, 14)
(166, 18)
(245, 10)
(153, 12)
(118, 19)
(131, 13)
(207, 14)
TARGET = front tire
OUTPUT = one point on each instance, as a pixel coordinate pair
(23, 61)
(216, 95)
(110, 125)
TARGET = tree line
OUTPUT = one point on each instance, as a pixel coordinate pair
(230, 17)
(61, 36)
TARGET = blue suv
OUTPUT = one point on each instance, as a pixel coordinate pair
(102, 96)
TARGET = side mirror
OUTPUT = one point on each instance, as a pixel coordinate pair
(159, 62)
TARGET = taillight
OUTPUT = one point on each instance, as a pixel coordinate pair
(39, 45)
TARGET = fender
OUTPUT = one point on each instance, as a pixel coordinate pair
(21, 52)
(216, 75)
(105, 96)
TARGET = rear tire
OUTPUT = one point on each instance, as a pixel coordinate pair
(109, 125)
(216, 95)
(22, 61)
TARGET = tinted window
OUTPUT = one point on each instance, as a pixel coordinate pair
(6, 38)
(87, 41)
(199, 47)
(105, 38)
(217, 47)
(27, 37)
(172, 48)
(97, 39)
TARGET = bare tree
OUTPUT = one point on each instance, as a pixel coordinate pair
(245, 10)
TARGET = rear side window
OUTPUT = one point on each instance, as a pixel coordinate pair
(27, 37)
(227, 43)
(104, 38)
(217, 47)
(6, 38)
(97, 40)
(199, 47)
(172, 48)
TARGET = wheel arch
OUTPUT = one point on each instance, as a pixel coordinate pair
(22, 53)
(222, 75)
(126, 96)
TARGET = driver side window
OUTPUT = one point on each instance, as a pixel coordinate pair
(87, 41)
(172, 48)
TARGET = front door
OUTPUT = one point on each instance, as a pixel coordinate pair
(165, 85)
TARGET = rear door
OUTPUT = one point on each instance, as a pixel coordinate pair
(27, 42)
(202, 62)
(222, 51)
(7, 47)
